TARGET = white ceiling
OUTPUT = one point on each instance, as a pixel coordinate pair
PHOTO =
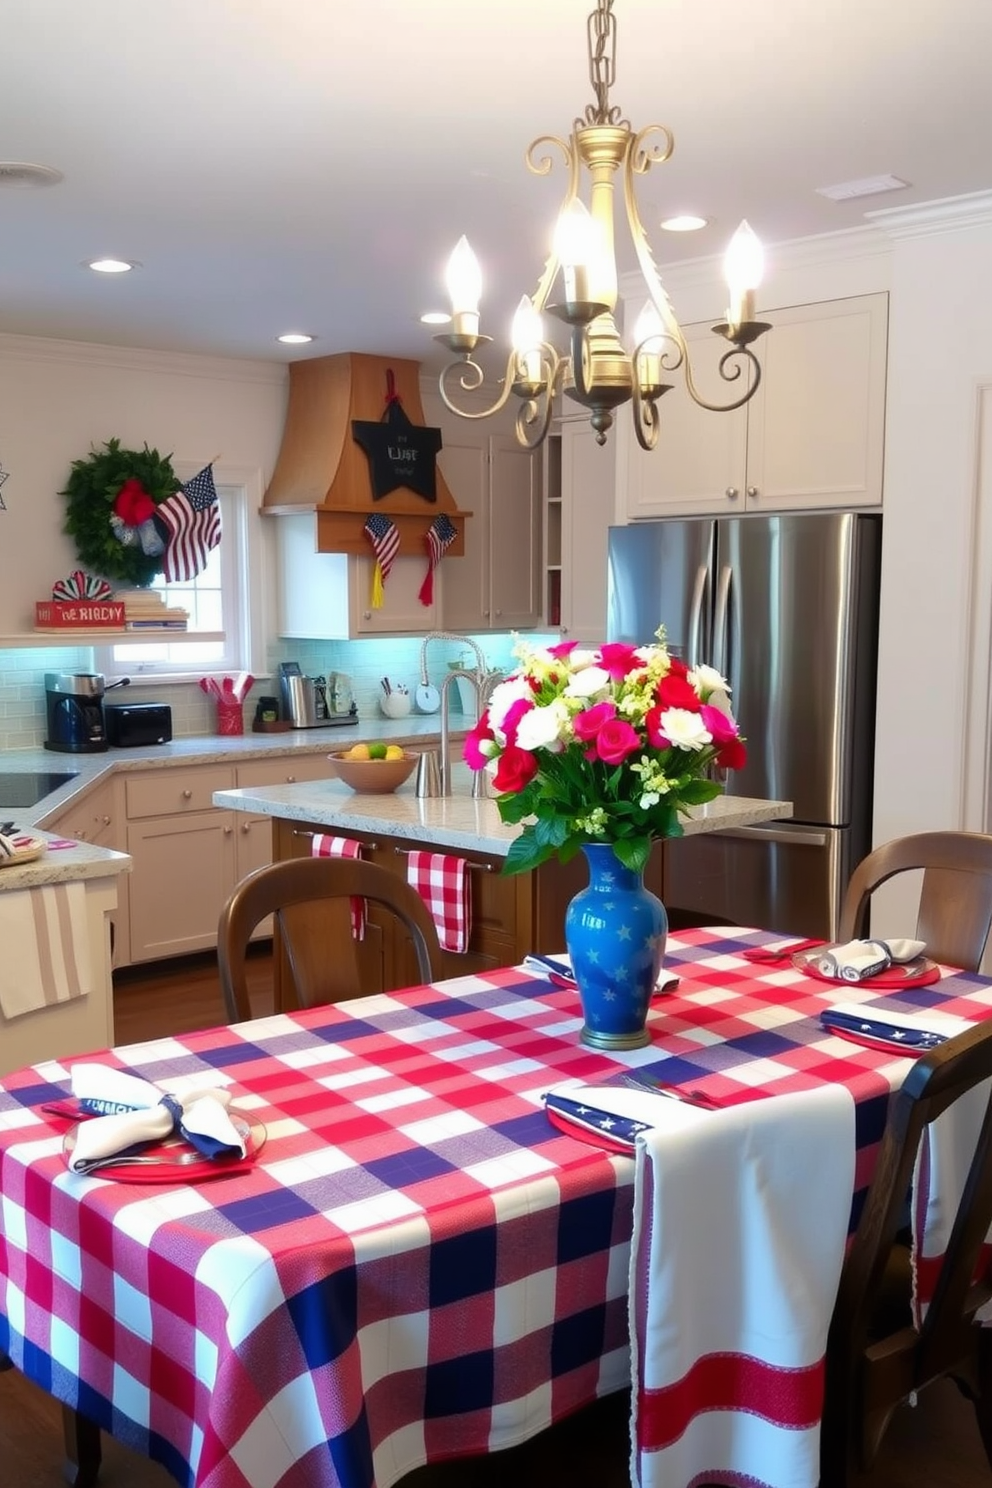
(308, 164)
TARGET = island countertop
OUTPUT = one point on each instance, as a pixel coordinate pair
(455, 821)
(65, 863)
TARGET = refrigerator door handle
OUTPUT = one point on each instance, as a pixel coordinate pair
(787, 836)
(721, 622)
(696, 652)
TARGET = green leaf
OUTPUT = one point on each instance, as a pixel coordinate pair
(633, 853)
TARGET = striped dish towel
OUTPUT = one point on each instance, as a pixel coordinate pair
(732, 1284)
(44, 948)
(324, 845)
(442, 882)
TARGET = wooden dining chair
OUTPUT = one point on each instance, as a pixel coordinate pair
(309, 899)
(955, 911)
(876, 1358)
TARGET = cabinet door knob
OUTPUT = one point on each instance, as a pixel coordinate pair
(187, 795)
(498, 613)
(366, 614)
(290, 779)
(752, 491)
(732, 493)
(228, 831)
(246, 826)
(106, 821)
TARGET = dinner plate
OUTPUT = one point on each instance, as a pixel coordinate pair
(919, 972)
(174, 1160)
(26, 850)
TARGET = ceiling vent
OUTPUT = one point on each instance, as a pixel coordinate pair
(25, 177)
(867, 186)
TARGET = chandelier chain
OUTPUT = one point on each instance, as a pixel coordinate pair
(602, 33)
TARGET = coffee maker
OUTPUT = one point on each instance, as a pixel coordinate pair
(74, 706)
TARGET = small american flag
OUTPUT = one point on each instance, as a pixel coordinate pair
(189, 522)
(440, 535)
(385, 538)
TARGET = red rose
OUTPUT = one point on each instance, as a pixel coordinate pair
(732, 756)
(676, 692)
(588, 723)
(677, 667)
(516, 768)
(615, 740)
(618, 659)
(652, 724)
(133, 504)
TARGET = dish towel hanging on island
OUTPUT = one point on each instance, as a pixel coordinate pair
(324, 845)
(732, 1285)
(442, 881)
(44, 948)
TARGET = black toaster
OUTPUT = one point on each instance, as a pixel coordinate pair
(130, 725)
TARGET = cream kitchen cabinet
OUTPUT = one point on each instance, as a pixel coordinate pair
(187, 855)
(98, 817)
(810, 438)
(588, 485)
(496, 585)
(328, 596)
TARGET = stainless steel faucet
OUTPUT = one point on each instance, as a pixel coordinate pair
(482, 680)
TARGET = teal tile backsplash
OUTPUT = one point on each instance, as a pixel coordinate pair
(22, 678)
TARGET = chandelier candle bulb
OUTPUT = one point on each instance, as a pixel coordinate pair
(464, 282)
(648, 338)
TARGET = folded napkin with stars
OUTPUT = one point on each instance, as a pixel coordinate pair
(857, 960)
(558, 969)
(875, 1027)
(130, 1111)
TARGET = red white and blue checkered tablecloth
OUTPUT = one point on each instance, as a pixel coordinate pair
(419, 1265)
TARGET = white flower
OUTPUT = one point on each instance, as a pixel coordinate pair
(543, 728)
(706, 679)
(720, 700)
(685, 730)
(504, 695)
(587, 682)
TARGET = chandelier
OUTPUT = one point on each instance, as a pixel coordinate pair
(597, 371)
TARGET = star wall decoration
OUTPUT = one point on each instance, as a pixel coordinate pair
(399, 453)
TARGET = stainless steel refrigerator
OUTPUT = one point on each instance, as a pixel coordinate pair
(786, 607)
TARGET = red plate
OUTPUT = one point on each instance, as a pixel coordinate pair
(919, 972)
(161, 1167)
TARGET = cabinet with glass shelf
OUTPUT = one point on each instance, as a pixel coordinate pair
(552, 529)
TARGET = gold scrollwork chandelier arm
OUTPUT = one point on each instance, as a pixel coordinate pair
(534, 415)
(541, 165)
(470, 377)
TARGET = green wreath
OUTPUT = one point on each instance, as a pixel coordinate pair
(93, 487)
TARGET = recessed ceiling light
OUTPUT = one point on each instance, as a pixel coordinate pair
(294, 338)
(111, 265)
(685, 222)
(867, 186)
(435, 317)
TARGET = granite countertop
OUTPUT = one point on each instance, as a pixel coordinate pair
(458, 820)
(63, 865)
(210, 749)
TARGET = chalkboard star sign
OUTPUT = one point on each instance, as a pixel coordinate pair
(399, 453)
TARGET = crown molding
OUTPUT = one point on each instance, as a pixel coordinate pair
(138, 359)
(950, 215)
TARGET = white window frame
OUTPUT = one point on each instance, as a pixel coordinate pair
(241, 644)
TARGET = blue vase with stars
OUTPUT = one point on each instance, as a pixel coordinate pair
(615, 933)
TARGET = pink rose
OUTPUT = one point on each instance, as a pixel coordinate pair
(618, 659)
(513, 715)
(482, 734)
(562, 648)
(652, 723)
(615, 740)
(722, 728)
(516, 769)
(588, 723)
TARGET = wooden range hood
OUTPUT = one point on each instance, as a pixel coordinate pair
(320, 466)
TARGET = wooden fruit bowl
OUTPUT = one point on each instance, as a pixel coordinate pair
(373, 777)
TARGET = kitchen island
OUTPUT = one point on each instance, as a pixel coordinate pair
(510, 915)
(56, 996)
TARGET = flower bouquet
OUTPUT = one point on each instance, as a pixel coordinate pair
(600, 751)
(604, 746)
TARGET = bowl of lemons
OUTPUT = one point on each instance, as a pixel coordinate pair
(374, 769)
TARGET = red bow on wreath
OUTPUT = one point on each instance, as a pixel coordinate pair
(131, 519)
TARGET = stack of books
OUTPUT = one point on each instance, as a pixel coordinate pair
(144, 609)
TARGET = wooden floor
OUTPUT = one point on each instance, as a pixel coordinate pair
(936, 1445)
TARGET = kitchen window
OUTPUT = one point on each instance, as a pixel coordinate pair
(222, 601)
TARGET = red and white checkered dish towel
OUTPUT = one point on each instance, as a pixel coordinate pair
(442, 881)
(734, 1267)
(326, 846)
